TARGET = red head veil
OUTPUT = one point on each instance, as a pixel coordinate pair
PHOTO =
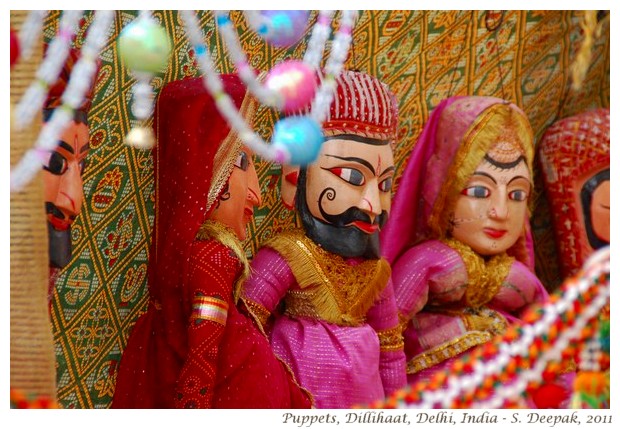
(193, 159)
(573, 151)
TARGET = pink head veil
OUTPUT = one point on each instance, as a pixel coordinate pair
(427, 169)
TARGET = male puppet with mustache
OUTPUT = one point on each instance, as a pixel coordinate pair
(323, 293)
(62, 171)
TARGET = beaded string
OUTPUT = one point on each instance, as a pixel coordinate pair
(29, 33)
(333, 66)
(214, 84)
(142, 137)
(55, 57)
(265, 95)
(493, 375)
(318, 39)
(81, 80)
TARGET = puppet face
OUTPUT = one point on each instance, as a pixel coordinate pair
(62, 178)
(348, 194)
(490, 212)
(235, 208)
(600, 211)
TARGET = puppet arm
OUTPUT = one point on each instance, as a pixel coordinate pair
(212, 270)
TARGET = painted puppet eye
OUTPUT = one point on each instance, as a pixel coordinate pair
(476, 192)
(386, 185)
(242, 161)
(518, 195)
(57, 164)
(82, 165)
(349, 175)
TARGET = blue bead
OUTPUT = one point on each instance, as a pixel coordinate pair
(301, 136)
(222, 20)
(200, 50)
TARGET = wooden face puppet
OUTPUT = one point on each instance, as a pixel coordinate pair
(575, 160)
(490, 212)
(63, 168)
(235, 206)
(344, 197)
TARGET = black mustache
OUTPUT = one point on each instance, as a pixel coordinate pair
(350, 215)
(50, 208)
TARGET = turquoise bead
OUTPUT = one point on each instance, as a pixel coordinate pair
(301, 136)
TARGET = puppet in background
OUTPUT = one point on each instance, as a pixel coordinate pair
(575, 156)
(192, 348)
(323, 292)
(575, 160)
(458, 236)
(62, 172)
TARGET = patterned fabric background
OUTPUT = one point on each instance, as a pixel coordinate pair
(423, 56)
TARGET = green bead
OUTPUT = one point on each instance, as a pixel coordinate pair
(144, 46)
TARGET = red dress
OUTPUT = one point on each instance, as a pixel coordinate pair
(227, 362)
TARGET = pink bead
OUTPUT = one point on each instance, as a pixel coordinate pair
(295, 81)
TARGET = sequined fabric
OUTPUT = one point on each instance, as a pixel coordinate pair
(432, 276)
(450, 298)
(193, 348)
(341, 366)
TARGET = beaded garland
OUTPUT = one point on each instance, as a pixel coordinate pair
(264, 94)
(29, 33)
(144, 48)
(499, 373)
(79, 84)
(21, 400)
(300, 149)
(320, 104)
(58, 50)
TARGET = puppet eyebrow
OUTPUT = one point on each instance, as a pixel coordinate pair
(482, 173)
(65, 146)
(355, 159)
(392, 168)
(518, 177)
(85, 148)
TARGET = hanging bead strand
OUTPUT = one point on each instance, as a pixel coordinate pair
(296, 140)
(30, 31)
(290, 85)
(55, 57)
(145, 49)
(496, 374)
(214, 85)
(247, 75)
(318, 39)
(80, 81)
(334, 65)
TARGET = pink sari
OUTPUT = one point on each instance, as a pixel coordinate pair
(450, 299)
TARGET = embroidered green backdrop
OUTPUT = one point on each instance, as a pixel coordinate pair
(423, 56)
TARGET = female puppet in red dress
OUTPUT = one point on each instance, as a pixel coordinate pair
(192, 348)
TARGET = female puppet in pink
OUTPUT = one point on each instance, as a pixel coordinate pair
(458, 236)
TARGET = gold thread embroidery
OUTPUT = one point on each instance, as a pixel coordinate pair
(225, 235)
(391, 339)
(445, 351)
(331, 289)
(258, 312)
(480, 319)
(484, 279)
